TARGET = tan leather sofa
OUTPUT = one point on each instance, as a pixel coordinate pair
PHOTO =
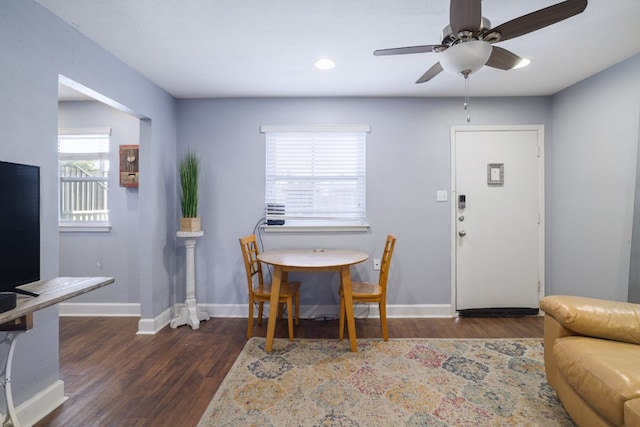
(592, 358)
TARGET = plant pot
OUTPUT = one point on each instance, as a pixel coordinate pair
(190, 224)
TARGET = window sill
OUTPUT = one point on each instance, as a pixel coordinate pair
(84, 228)
(314, 228)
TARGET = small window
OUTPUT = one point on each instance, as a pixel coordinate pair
(315, 176)
(83, 156)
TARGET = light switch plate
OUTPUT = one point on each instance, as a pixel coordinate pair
(441, 196)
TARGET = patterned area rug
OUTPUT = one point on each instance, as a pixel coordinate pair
(403, 382)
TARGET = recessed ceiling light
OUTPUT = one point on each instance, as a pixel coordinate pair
(523, 63)
(325, 64)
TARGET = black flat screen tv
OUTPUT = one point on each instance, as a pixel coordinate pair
(19, 226)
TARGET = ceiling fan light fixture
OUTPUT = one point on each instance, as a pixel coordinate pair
(465, 58)
(325, 64)
(523, 63)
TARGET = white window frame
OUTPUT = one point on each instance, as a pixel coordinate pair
(282, 187)
(84, 133)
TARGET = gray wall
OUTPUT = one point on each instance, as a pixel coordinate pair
(591, 174)
(408, 159)
(113, 254)
(634, 268)
(37, 48)
(591, 127)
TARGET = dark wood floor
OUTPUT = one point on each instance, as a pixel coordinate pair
(114, 377)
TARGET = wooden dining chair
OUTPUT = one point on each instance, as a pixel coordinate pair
(372, 292)
(260, 291)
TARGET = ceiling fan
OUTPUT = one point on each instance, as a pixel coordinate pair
(467, 42)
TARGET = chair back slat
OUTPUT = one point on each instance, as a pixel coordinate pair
(386, 262)
(253, 267)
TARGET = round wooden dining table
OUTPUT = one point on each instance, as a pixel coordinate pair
(311, 260)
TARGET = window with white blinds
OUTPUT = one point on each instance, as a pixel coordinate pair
(315, 175)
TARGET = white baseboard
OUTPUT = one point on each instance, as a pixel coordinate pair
(73, 309)
(421, 311)
(41, 405)
(333, 311)
(152, 326)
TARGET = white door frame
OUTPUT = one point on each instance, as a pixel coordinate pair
(541, 198)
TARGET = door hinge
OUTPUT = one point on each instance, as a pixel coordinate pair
(538, 150)
(538, 286)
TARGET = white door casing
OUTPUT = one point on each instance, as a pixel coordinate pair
(498, 237)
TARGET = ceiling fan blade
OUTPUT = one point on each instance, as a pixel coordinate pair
(539, 19)
(430, 73)
(503, 59)
(465, 15)
(408, 49)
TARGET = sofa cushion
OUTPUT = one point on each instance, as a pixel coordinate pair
(605, 373)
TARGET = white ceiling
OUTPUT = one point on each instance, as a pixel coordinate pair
(266, 48)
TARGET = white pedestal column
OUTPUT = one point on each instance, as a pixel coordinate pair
(190, 314)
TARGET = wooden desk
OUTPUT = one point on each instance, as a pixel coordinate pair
(51, 292)
(20, 320)
(284, 261)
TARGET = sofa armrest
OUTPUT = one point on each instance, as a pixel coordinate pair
(614, 320)
(632, 412)
(552, 331)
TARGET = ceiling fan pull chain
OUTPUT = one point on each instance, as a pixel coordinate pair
(466, 97)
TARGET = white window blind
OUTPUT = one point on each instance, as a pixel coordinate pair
(315, 175)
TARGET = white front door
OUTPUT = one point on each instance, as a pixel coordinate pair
(498, 190)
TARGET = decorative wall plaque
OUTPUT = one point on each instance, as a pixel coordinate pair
(129, 165)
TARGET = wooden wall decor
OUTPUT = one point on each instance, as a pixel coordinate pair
(129, 165)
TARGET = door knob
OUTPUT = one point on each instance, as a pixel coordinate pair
(462, 233)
